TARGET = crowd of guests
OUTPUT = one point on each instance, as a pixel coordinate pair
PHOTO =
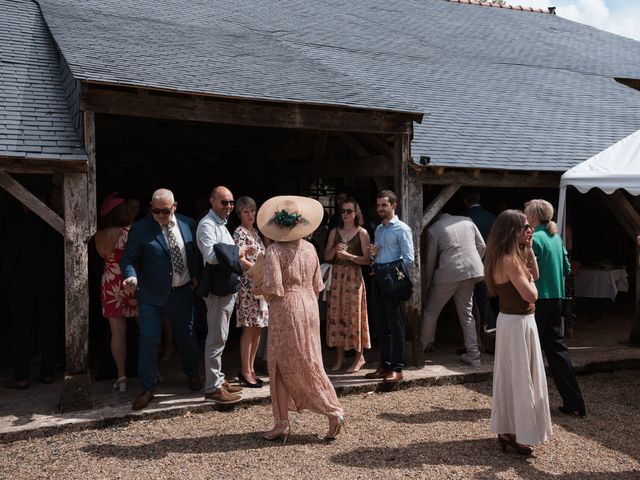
(270, 275)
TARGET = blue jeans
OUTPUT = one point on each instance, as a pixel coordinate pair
(391, 330)
(179, 309)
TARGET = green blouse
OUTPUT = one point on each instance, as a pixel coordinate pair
(553, 263)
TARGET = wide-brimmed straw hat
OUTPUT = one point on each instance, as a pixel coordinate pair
(288, 217)
(109, 203)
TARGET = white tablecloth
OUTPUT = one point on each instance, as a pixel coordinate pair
(598, 283)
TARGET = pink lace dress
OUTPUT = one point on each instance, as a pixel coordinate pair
(116, 301)
(292, 273)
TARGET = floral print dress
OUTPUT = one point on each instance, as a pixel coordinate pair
(116, 301)
(250, 311)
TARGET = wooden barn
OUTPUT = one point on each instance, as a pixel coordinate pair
(271, 97)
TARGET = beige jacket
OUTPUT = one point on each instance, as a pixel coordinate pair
(454, 251)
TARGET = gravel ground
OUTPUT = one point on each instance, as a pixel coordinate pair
(427, 432)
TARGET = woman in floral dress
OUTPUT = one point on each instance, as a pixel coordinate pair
(251, 313)
(117, 303)
(347, 322)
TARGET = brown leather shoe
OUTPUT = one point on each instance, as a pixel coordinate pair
(231, 388)
(195, 383)
(222, 395)
(377, 375)
(17, 384)
(143, 400)
(393, 377)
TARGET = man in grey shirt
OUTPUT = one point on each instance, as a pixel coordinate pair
(212, 230)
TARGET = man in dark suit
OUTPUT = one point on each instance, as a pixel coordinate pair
(161, 261)
(483, 219)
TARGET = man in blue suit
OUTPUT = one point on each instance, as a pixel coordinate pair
(484, 221)
(161, 261)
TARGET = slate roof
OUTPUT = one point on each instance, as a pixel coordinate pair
(501, 88)
(35, 121)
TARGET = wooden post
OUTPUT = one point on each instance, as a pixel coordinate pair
(90, 148)
(409, 192)
(80, 225)
(76, 390)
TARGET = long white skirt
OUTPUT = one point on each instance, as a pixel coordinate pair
(520, 403)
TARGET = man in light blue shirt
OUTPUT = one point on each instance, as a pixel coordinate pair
(394, 242)
(212, 230)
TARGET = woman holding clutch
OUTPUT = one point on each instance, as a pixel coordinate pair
(251, 313)
(292, 275)
(347, 322)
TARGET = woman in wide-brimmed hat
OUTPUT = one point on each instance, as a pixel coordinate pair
(292, 273)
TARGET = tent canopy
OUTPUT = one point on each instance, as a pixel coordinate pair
(618, 166)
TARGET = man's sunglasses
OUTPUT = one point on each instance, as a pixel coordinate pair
(226, 203)
(347, 210)
(161, 211)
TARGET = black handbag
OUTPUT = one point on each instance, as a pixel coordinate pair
(393, 279)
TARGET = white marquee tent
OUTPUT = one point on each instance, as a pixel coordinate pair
(617, 167)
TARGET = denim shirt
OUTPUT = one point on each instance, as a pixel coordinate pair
(211, 230)
(395, 242)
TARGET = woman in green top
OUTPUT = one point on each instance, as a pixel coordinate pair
(553, 264)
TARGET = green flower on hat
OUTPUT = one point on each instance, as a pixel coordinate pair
(288, 220)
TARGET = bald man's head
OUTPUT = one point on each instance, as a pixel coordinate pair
(221, 202)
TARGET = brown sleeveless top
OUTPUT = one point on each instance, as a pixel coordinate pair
(354, 247)
(511, 302)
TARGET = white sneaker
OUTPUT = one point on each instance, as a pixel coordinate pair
(474, 362)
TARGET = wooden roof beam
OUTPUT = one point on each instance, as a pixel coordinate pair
(244, 112)
(440, 176)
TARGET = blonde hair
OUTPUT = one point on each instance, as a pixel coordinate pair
(543, 212)
(503, 242)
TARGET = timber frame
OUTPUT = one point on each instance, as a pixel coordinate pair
(77, 228)
(379, 140)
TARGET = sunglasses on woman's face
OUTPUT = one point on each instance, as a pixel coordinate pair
(527, 227)
(347, 211)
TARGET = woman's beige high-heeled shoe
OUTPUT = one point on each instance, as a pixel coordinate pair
(333, 432)
(121, 384)
(281, 430)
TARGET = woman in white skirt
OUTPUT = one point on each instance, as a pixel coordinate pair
(520, 405)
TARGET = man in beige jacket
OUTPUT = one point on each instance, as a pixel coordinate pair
(454, 265)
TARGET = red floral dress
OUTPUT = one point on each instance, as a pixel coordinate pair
(116, 301)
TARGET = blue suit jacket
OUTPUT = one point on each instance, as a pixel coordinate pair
(146, 257)
(483, 219)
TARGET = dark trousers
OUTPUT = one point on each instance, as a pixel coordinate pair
(549, 322)
(489, 317)
(31, 312)
(179, 309)
(391, 330)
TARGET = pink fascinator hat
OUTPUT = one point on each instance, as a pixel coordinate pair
(109, 203)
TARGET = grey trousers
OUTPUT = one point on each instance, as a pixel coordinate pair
(219, 310)
(437, 298)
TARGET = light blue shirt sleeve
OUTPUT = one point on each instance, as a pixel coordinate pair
(406, 246)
